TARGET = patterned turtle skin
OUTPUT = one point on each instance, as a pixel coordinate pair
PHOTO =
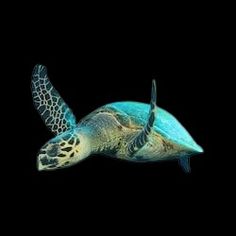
(130, 131)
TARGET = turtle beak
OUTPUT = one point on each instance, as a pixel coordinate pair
(40, 156)
(40, 167)
(45, 162)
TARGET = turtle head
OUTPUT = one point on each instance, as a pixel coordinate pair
(62, 151)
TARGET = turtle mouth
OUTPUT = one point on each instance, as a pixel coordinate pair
(45, 162)
(39, 165)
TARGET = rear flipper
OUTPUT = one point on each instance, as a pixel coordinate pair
(184, 162)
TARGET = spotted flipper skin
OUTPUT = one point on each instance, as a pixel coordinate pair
(57, 116)
(142, 138)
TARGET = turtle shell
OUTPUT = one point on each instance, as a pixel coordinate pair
(136, 114)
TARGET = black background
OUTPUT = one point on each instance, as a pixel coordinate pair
(98, 62)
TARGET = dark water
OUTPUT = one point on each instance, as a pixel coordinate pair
(98, 71)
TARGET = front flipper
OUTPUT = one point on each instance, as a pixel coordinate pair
(184, 162)
(54, 111)
(142, 138)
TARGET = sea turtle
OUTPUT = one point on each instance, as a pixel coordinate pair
(130, 131)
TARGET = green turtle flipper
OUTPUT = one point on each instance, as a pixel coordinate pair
(142, 138)
(57, 116)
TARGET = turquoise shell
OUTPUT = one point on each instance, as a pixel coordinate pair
(166, 124)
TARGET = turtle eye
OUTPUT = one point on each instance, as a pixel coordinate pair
(53, 150)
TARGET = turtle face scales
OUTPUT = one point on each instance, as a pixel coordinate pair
(62, 151)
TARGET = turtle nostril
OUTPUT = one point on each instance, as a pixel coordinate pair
(42, 151)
